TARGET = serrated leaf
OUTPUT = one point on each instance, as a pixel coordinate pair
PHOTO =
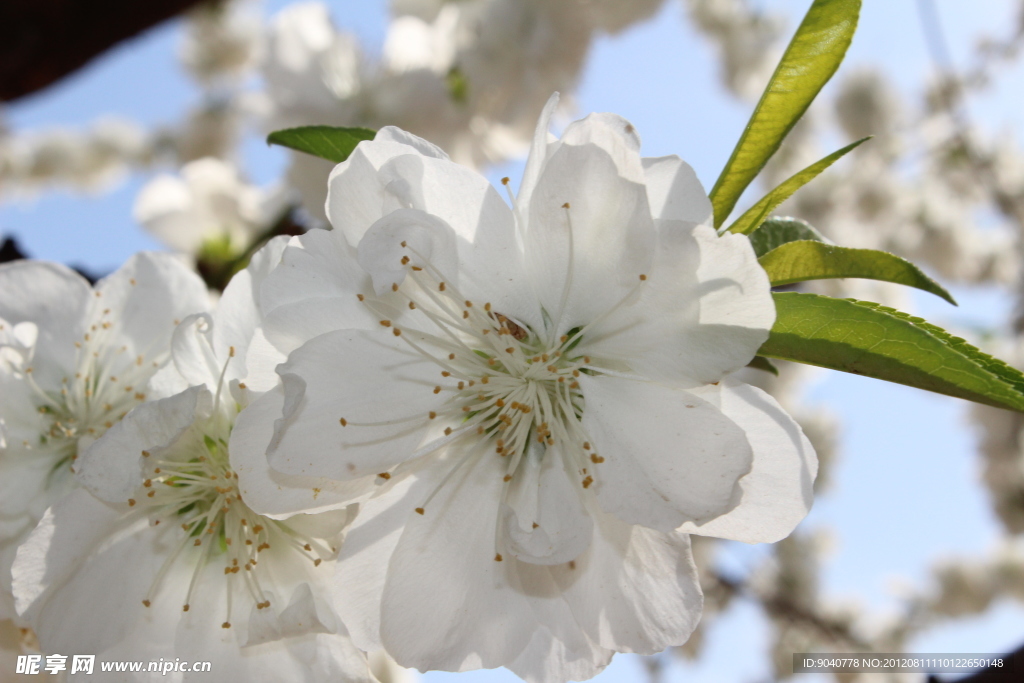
(780, 230)
(808, 260)
(757, 214)
(326, 142)
(813, 55)
(762, 363)
(868, 339)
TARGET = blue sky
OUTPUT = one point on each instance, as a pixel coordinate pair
(906, 488)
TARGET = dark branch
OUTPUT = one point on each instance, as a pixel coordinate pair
(41, 41)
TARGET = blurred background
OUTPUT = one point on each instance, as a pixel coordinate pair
(111, 145)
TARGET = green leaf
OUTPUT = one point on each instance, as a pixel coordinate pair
(326, 142)
(756, 214)
(808, 260)
(777, 231)
(810, 60)
(868, 339)
(762, 363)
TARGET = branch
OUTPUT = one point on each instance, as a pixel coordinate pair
(41, 41)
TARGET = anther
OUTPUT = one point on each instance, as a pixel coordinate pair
(441, 287)
(343, 422)
(385, 323)
(588, 481)
(397, 332)
(505, 181)
(642, 277)
(497, 557)
(360, 297)
(382, 475)
(419, 511)
(394, 286)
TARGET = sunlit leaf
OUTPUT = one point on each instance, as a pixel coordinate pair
(810, 60)
(778, 230)
(326, 142)
(757, 214)
(872, 340)
(808, 260)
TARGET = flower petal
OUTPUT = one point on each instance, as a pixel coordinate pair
(399, 233)
(112, 466)
(538, 151)
(779, 489)
(611, 241)
(352, 377)
(313, 290)
(75, 604)
(148, 296)
(450, 604)
(356, 192)
(703, 312)
(272, 493)
(650, 596)
(56, 299)
(669, 456)
(674, 192)
(238, 312)
(543, 518)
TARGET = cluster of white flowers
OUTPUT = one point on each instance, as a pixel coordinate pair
(208, 208)
(469, 432)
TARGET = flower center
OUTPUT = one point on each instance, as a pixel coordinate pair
(191, 484)
(106, 384)
(501, 382)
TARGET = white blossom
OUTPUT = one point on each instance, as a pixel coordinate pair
(542, 392)
(207, 207)
(73, 361)
(209, 579)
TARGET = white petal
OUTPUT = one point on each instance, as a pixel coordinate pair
(56, 299)
(272, 493)
(238, 312)
(313, 291)
(448, 604)
(674, 191)
(427, 237)
(394, 134)
(543, 517)
(363, 561)
(538, 151)
(703, 311)
(193, 354)
(166, 208)
(112, 467)
(612, 234)
(148, 296)
(357, 194)
(73, 602)
(649, 592)
(670, 457)
(358, 377)
(734, 287)
(779, 489)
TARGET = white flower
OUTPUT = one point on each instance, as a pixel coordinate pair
(542, 390)
(73, 361)
(170, 561)
(207, 207)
